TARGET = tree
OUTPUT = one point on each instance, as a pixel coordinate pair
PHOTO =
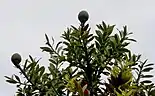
(88, 57)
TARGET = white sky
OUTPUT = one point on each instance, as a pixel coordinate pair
(23, 24)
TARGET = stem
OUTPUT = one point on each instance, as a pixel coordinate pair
(89, 66)
(26, 76)
(137, 81)
(140, 72)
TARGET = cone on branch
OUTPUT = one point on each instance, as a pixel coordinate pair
(83, 17)
(16, 59)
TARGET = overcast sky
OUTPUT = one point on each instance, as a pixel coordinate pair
(23, 24)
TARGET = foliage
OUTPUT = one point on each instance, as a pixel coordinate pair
(89, 57)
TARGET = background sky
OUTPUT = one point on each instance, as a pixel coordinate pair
(23, 24)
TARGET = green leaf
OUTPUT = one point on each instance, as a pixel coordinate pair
(125, 44)
(47, 49)
(108, 68)
(138, 57)
(90, 39)
(146, 76)
(146, 81)
(90, 35)
(67, 77)
(62, 58)
(29, 66)
(59, 49)
(86, 27)
(97, 45)
(129, 93)
(147, 69)
(104, 25)
(7, 77)
(24, 68)
(52, 41)
(124, 50)
(136, 69)
(46, 38)
(120, 33)
(117, 38)
(133, 58)
(92, 51)
(100, 27)
(130, 33)
(17, 78)
(42, 70)
(98, 33)
(110, 29)
(132, 40)
(31, 58)
(152, 93)
(53, 61)
(11, 81)
(74, 28)
(125, 31)
(151, 64)
(37, 68)
(45, 77)
(74, 71)
(58, 45)
(106, 73)
(113, 42)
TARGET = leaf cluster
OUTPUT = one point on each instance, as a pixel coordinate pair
(87, 57)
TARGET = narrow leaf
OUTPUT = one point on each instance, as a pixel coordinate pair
(7, 77)
(31, 58)
(132, 40)
(42, 70)
(146, 81)
(25, 65)
(146, 76)
(58, 44)
(106, 73)
(47, 49)
(147, 69)
(12, 81)
(46, 38)
(151, 64)
(17, 78)
(104, 25)
(74, 28)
